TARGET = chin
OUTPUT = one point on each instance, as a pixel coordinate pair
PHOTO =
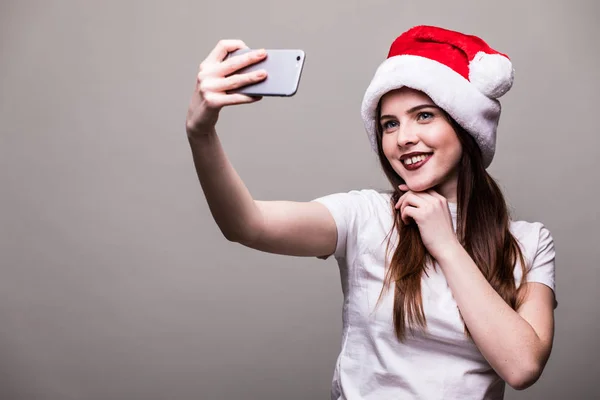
(420, 186)
(422, 183)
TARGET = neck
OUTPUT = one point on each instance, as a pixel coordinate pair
(448, 190)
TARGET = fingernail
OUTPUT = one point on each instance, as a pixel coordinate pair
(262, 52)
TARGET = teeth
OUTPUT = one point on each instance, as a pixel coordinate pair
(415, 159)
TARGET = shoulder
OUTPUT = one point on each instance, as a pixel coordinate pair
(531, 235)
(363, 202)
(359, 215)
(537, 246)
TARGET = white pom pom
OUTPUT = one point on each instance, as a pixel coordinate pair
(492, 74)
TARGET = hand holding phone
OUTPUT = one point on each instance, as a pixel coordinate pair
(283, 67)
(222, 81)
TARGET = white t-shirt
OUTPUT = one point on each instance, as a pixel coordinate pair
(440, 364)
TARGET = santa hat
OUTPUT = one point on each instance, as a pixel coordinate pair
(460, 73)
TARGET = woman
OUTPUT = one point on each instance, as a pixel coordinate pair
(444, 296)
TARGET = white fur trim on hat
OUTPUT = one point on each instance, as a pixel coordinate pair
(474, 111)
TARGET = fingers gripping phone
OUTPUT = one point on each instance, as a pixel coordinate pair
(284, 68)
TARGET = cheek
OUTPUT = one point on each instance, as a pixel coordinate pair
(458, 156)
(447, 141)
(456, 151)
(388, 145)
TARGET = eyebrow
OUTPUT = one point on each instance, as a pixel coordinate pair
(410, 111)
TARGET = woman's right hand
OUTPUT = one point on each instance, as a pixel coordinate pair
(215, 77)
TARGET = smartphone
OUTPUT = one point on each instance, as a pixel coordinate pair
(284, 68)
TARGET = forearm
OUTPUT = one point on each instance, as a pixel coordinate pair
(507, 341)
(230, 202)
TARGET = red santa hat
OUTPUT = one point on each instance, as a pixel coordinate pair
(460, 73)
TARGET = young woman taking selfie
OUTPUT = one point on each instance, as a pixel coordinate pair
(445, 296)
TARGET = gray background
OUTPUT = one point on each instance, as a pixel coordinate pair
(117, 284)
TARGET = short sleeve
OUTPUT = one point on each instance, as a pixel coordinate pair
(542, 267)
(349, 210)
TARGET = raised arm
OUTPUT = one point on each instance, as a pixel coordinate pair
(282, 227)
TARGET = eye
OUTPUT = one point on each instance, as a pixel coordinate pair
(388, 125)
(424, 115)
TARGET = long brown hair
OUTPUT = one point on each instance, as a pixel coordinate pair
(482, 229)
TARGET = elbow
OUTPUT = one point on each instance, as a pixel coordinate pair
(234, 237)
(245, 233)
(231, 235)
(238, 236)
(522, 377)
(527, 370)
(231, 239)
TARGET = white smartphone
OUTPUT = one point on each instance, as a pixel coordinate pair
(284, 68)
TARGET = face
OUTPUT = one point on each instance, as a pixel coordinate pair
(419, 142)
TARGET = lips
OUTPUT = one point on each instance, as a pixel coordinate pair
(414, 161)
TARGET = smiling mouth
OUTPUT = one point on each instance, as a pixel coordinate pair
(412, 163)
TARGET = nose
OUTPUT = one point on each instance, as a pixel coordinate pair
(407, 136)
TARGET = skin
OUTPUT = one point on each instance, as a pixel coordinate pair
(412, 122)
(516, 343)
(215, 77)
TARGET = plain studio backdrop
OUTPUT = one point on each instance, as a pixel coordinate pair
(115, 281)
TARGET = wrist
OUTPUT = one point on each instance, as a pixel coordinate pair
(448, 252)
(202, 135)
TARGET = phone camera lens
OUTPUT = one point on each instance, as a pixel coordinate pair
(298, 58)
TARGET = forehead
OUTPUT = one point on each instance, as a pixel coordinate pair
(403, 99)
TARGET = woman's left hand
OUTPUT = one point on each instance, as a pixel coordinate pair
(430, 212)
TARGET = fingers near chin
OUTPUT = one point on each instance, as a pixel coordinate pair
(408, 213)
(398, 203)
(435, 194)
